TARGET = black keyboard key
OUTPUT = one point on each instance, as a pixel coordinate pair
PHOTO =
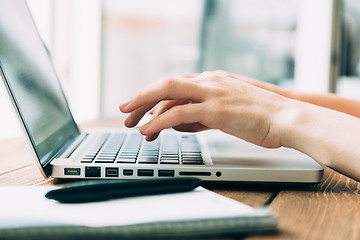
(107, 155)
(192, 156)
(90, 155)
(129, 152)
(105, 158)
(126, 160)
(127, 156)
(104, 161)
(86, 161)
(169, 157)
(148, 160)
(169, 161)
(198, 158)
(190, 162)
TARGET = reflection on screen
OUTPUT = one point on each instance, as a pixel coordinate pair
(32, 81)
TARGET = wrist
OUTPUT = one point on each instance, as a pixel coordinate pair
(288, 120)
(306, 128)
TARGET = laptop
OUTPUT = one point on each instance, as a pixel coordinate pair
(62, 151)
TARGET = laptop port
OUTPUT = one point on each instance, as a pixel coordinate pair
(111, 172)
(166, 173)
(195, 173)
(72, 171)
(146, 172)
(128, 172)
(92, 171)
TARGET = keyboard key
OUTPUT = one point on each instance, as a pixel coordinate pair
(170, 156)
(104, 160)
(122, 149)
(169, 161)
(129, 152)
(192, 157)
(86, 161)
(107, 156)
(148, 160)
(126, 160)
(127, 156)
(193, 162)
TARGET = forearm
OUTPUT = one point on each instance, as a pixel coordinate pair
(328, 136)
(331, 101)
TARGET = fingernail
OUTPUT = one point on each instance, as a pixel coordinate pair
(126, 122)
(124, 105)
(145, 129)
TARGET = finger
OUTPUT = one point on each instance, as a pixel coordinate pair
(154, 109)
(173, 88)
(159, 106)
(152, 137)
(227, 74)
(189, 113)
(242, 78)
(166, 105)
(191, 75)
(191, 127)
(134, 118)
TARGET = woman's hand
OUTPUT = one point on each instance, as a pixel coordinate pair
(211, 100)
(257, 112)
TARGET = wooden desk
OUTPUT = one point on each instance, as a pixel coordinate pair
(330, 210)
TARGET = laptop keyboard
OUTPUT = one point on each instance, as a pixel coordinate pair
(123, 148)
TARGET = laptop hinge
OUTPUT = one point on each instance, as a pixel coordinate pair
(70, 146)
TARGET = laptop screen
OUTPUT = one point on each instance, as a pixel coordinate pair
(31, 81)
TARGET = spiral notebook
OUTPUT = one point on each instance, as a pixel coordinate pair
(27, 214)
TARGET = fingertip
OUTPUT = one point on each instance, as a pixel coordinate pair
(152, 137)
(124, 106)
(144, 130)
(127, 123)
(149, 138)
(130, 123)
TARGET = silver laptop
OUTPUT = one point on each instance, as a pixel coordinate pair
(62, 151)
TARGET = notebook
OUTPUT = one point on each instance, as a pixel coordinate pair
(62, 151)
(190, 214)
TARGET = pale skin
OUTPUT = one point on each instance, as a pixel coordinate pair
(325, 127)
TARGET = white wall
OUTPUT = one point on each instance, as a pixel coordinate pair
(145, 41)
(313, 45)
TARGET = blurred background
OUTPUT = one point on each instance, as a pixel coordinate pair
(105, 50)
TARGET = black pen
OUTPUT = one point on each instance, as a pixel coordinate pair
(100, 190)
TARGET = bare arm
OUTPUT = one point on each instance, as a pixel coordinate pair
(255, 114)
(328, 136)
(330, 101)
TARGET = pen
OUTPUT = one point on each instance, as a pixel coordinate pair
(100, 190)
